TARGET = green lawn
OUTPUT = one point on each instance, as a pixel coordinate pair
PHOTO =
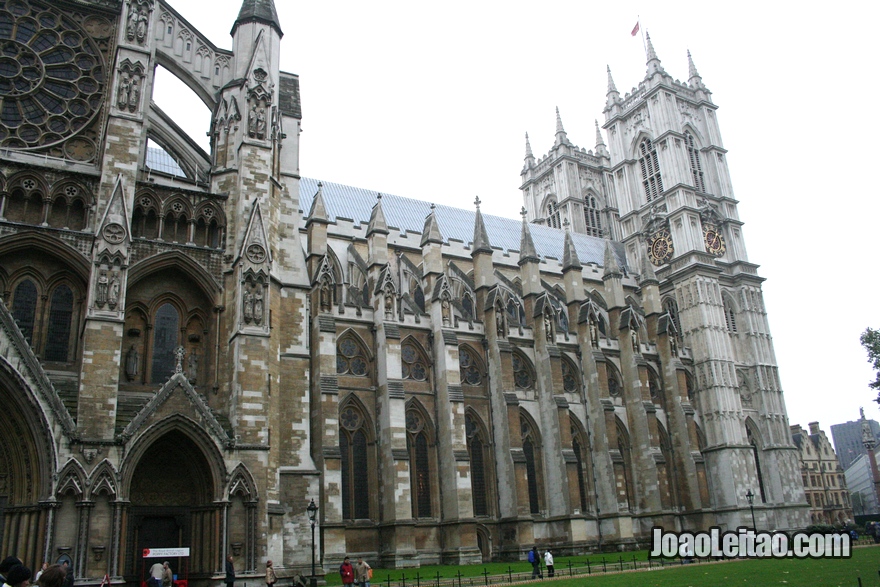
(865, 563)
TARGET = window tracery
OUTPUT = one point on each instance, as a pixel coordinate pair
(530, 444)
(414, 364)
(592, 216)
(350, 357)
(355, 467)
(522, 373)
(652, 181)
(420, 466)
(470, 372)
(476, 451)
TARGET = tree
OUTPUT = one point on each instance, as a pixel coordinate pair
(870, 339)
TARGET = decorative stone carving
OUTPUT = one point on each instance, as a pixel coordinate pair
(634, 335)
(258, 305)
(179, 353)
(248, 302)
(326, 303)
(594, 333)
(548, 326)
(113, 291)
(446, 311)
(132, 363)
(192, 367)
(500, 325)
(389, 302)
(101, 294)
(128, 91)
(136, 24)
(256, 253)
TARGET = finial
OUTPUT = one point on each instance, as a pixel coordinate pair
(599, 139)
(566, 225)
(180, 353)
(378, 196)
(320, 185)
(559, 122)
(611, 86)
(651, 53)
(477, 202)
(523, 213)
(528, 148)
(433, 206)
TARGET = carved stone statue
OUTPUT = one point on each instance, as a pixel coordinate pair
(248, 302)
(113, 293)
(258, 305)
(101, 295)
(548, 326)
(326, 303)
(445, 310)
(389, 303)
(134, 94)
(261, 123)
(499, 321)
(192, 367)
(131, 25)
(635, 339)
(252, 121)
(124, 91)
(132, 363)
(594, 334)
(141, 30)
(673, 345)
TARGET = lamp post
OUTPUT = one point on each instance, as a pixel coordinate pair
(313, 517)
(749, 496)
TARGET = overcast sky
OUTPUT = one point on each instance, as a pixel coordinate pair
(431, 101)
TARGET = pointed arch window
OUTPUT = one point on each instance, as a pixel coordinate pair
(467, 305)
(613, 380)
(756, 453)
(355, 467)
(476, 451)
(60, 317)
(470, 372)
(729, 314)
(420, 464)
(671, 308)
(553, 215)
(350, 357)
(522, 372)
(24, 307)
(166, 330)
(570, 377)
(592, 216)
(414, 366)
(650, 167)
(694, 160)
(578, 446)
(625, 466)
(529, 445)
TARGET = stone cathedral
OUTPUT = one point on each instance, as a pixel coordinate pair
(194, 345)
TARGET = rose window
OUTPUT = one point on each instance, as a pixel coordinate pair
(51, 76)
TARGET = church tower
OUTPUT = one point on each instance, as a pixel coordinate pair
(668, 173)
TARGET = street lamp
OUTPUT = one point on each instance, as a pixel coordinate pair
(749, 496)
(313, 517)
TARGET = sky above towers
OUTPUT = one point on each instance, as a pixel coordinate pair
(432, 101)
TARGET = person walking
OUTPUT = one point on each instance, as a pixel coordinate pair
(167, 575)
(363, 572)
(155, 575)
(535, 559)
(548, 562)
(271, 577)
(347, 572)
(230, 572)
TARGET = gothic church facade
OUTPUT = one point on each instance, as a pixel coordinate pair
(190, 353)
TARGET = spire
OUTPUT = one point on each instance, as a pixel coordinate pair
(561, 137)
(318, 211)
(653, 61)
(612, 267)
(599, 139)
(377, 218)
(259, 11)
(647, 274)
(529, 154)
(481, 237)
(431, 232)
(569, 251)
(527, 252)
(612, 89)
(694, 78)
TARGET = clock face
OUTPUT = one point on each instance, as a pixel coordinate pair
(660, 247)
(714, 240)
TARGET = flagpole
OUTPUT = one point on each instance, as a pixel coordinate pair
(642, 30)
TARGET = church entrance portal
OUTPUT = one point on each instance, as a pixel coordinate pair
(172, 505)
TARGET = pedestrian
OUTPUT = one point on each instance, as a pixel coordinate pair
(6, 564)
(363, 572)
(271, 578)
(53, 576)
(230, 572)
(548, 562)
(155, 579)
(167, 575)
(347, 572)
(18, 576)
(876, 532)
(535, 559)
(39, 574)
(69, 577)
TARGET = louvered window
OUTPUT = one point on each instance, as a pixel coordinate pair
(650, 166)
(592, 217)
(553, 215)
(694, 160)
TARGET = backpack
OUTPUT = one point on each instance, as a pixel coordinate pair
(532, 556)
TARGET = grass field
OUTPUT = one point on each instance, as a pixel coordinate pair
(864, 564)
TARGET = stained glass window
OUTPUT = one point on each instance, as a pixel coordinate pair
(569, 377)
(578, 454)
(24, 307)
(355, 476)
(60, 316)
(478, 476)
(166, 330)
(413, 363)
(350, 358)
(531, 475)
(522, 375)
(470, 374)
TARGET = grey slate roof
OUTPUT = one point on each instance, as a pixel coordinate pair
(260, 10)
(407, 215)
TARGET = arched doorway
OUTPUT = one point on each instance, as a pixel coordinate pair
(26, 461)
(172, 505)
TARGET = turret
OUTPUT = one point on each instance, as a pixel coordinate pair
(654, 65)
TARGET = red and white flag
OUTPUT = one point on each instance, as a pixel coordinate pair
(105, 581)
(635, 30)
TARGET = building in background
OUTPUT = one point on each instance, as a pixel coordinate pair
(848, 442)
(194, 345)
(824, 483)
(860, 483)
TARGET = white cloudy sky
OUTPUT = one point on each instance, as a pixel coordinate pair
(431, 101)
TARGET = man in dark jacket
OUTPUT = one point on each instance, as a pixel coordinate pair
(6, 564)
(535, 559)
(230, 572)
